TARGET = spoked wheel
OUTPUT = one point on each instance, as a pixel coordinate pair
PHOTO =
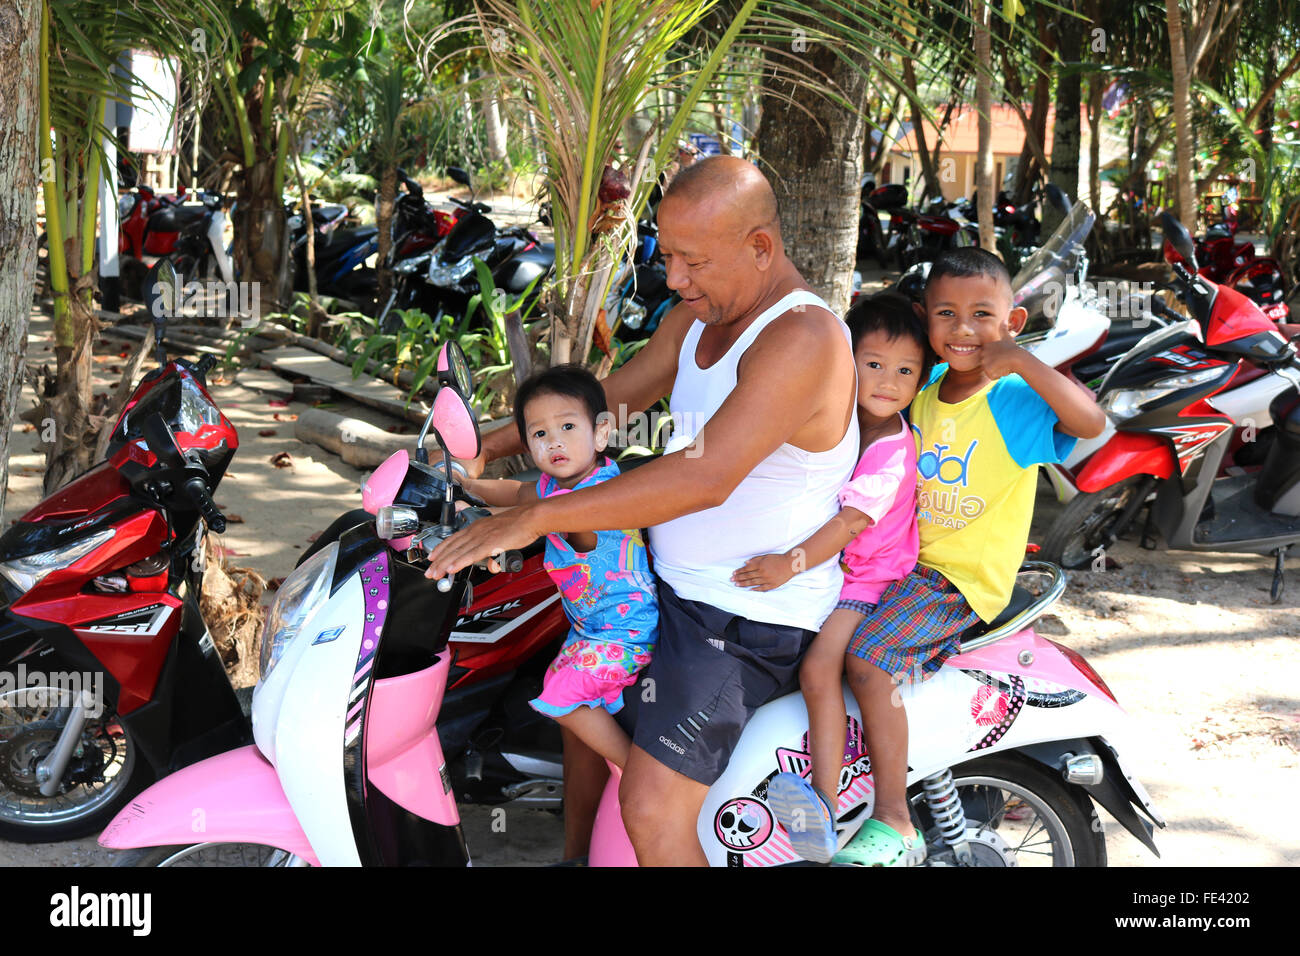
(1093, 520)
(1017, 814)
(104, 771)
(209, 854)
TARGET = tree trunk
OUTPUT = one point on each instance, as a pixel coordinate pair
(261, 236)
(1184, 189)
(984, 124)
(1095, 91)
(20, 23)
(384, 222)
(1066, 133)
(495, 123)
(929, 172)
(817, 165)
(1027, 167)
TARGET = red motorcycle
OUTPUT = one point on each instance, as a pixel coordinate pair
(1226, 261)
(108, 676)
(1178, 407)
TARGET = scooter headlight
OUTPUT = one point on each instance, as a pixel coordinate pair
(1125, 403)
(449, 274)
(27, 572)
(295, 603)
(417, 264)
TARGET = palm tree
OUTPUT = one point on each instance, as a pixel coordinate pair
(81, 43)
(1182, 117)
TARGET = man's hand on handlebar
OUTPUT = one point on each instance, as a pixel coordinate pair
(482, 540)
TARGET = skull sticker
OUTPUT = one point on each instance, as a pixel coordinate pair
(743, 824)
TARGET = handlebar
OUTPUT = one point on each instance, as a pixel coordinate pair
(196, 489)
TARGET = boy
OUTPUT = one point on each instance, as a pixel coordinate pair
(985, 421)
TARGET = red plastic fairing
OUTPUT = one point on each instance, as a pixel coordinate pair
(1126, 454)
(1234, 317)
(509, 596)
(85, 495)
(131, 647)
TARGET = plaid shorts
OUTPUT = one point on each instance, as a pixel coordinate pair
(917, 625)
(861, 607)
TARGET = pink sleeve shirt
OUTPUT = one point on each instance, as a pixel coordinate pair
(883, 487)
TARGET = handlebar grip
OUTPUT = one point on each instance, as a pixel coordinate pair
(198, 493)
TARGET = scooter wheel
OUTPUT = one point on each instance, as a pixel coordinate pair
(1017, 813)
(207, 854)
(26, 815)
(1093, 520)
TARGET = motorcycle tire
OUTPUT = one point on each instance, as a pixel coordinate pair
(44, 826)
(196, 854)
(1092, 520)
(1065, 812)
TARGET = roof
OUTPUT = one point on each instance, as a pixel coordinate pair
(962, 133)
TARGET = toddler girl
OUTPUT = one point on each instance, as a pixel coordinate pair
(603, 576)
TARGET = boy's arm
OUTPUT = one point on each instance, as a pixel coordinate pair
(1077, 413)
(768, 571)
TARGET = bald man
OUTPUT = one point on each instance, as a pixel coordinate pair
(762, 381)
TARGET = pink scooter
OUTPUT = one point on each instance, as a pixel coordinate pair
(1012, 741)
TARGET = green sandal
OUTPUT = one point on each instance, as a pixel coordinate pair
(879, 844)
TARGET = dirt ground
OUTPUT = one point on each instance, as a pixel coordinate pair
(1191, 647)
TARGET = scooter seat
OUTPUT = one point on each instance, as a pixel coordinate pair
(543, 254)
(351, 237)
(1021, 599)
(176, 218)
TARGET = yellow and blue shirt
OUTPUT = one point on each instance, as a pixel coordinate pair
(977, 468)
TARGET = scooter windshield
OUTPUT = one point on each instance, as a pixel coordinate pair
(1045, 274)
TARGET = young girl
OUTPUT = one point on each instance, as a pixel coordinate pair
(603, 576)
(876, 528)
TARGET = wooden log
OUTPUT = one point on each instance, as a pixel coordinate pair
(361, 444)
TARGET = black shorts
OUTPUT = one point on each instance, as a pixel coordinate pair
(711, 670)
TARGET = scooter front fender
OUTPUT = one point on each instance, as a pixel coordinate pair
(234, 797)
(1125, 455)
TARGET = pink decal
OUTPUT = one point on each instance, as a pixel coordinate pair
(988, 706)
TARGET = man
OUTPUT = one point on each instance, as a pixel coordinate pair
(765, 438)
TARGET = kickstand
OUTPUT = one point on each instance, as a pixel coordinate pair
(1279, 575)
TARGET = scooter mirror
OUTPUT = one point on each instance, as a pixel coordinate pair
(1176, 235)
(453, 369)
(459, 175)
(159, 291)
(454, 424)
(1057, 197)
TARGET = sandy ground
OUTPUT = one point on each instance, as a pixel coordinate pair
(1188, 643)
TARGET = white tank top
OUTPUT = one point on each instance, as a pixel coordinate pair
(778, 505)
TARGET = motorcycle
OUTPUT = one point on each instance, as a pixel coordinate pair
(1012, 742)
(100, 587)
(200, 250)
(1181, 403)
(1220, 258)
(341, 252)
(442, 279)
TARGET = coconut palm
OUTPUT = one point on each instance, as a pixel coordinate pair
(82, 44)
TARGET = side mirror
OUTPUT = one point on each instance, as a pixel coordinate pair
(453, 369)
(459, 175)
(1057, 197)
(454, 424)
(160, 292)
(1180, 239)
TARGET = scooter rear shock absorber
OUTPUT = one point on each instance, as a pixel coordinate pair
(945, 807)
